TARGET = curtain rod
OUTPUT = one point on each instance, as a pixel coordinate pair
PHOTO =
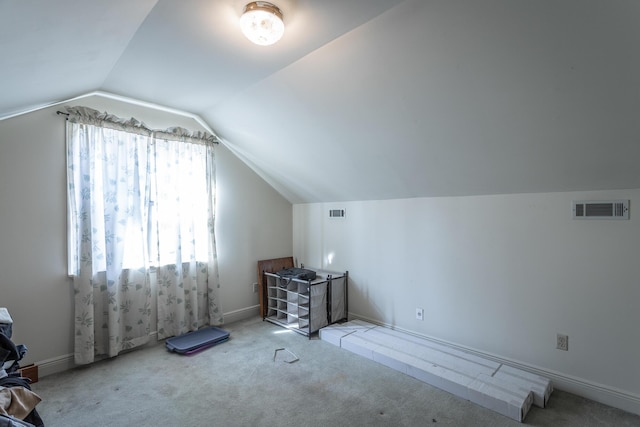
(62, 113)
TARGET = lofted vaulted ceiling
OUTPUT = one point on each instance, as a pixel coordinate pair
(362, 99)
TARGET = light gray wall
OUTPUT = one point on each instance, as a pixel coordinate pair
(252, 222)
(498, 274)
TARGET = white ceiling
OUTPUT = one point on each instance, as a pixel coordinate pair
(362, 99)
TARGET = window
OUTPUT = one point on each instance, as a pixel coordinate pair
(141, 224)
(147, 195)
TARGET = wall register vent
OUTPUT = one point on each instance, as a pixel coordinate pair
(336, 213)
(609, 209)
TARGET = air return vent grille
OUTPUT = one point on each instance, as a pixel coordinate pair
(336, 213)
(607, 209)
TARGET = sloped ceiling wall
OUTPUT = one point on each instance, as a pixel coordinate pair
(363, 99)
(53, 51)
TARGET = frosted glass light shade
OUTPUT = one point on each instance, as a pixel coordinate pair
(261, 22)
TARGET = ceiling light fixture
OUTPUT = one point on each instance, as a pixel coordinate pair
(261, 22)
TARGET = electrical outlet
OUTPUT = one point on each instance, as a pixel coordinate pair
(255, 288)
(562, 342)
(419, 314)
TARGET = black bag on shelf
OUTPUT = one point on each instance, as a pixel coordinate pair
(297, 273)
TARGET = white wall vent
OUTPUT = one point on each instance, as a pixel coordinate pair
(336, 213)
(604, 209)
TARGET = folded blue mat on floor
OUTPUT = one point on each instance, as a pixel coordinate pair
(195, 341)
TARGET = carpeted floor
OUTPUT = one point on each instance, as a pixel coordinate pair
(238, 383)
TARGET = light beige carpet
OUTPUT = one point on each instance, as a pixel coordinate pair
(238, 383)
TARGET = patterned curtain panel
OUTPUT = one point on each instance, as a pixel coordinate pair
(182, 237)
(141, 222)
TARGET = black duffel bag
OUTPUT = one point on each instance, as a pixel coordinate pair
(297, 273)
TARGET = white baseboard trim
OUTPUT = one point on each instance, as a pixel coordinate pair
(601, 393)
(65, 362)
(55, 365)
(241, 314)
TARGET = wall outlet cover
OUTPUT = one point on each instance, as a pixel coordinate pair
(562, 342)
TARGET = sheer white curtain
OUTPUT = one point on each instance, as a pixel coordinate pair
(182, 237)
(141, 218)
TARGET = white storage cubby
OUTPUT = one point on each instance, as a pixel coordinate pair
(306, 306)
